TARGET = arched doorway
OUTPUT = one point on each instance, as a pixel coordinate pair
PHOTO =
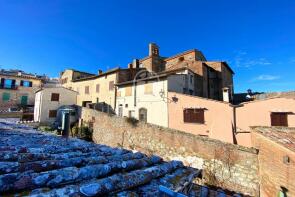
(143, 114)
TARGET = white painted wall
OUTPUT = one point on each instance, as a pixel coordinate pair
(43, 102)
(155, 103)
(181, 80)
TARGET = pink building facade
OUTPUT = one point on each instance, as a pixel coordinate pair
(225, 122)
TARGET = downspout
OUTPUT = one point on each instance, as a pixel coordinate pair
(40, 105)
(235, 121)
(135, 94)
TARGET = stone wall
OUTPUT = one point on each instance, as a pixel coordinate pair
(226, 165)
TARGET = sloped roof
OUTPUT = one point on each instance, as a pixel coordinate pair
(36, 163)
(51, 88)
(20, 74)
(158, 75)
(285, 136)
(113, 70)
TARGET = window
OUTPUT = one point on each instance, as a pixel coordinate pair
(26, 83)
(120, 112)
(8, 83)
(5, 96)
(65, 80)
(148, 88)
(52, 113)
(97, 88)
(279, 119)
(24, 100)
(111, 85)
(143, 114)
(194, 115)
(191, 79)
(86, 89)
(181, 58)
(54, 97)
(128, 91)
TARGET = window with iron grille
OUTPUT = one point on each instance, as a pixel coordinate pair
(194, 115)
(54, 97)
(279, 119)
(52, 113)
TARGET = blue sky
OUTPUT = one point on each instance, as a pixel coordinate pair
(256, 38)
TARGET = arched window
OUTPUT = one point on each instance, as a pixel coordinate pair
(143, 114)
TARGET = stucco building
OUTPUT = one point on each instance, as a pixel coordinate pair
(224, 121)
(146, 96)
(207, 79)
(146, 99)
(211, 76)
(97, 89)
(48, 100)
(17, 88)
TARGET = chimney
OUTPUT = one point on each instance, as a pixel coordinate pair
(99, 71)
(135, 63)
(225, 94)
(153, 50)
(130, 66)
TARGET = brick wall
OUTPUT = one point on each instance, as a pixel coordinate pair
(229, 166)
(274, 172)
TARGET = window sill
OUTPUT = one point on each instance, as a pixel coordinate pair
(194, 123)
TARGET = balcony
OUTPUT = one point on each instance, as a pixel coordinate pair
(8, 87)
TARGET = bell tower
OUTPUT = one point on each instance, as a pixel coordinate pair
(153, 50)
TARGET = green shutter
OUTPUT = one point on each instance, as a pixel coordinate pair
(5, 96)
(24, 100)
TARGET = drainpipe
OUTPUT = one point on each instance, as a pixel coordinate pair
(135, 94)
(235, 116)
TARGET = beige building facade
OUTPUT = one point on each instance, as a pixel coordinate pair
(18, 88)
(48, 100)
(96, 89)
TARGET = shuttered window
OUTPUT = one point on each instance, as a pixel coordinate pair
(97, 88)
(193, 116)
(128, 91)
(54, 97)
(52, 113)
(5, 96)
(148, 88)
(86, 89)
(279, 119)
(111, 85)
